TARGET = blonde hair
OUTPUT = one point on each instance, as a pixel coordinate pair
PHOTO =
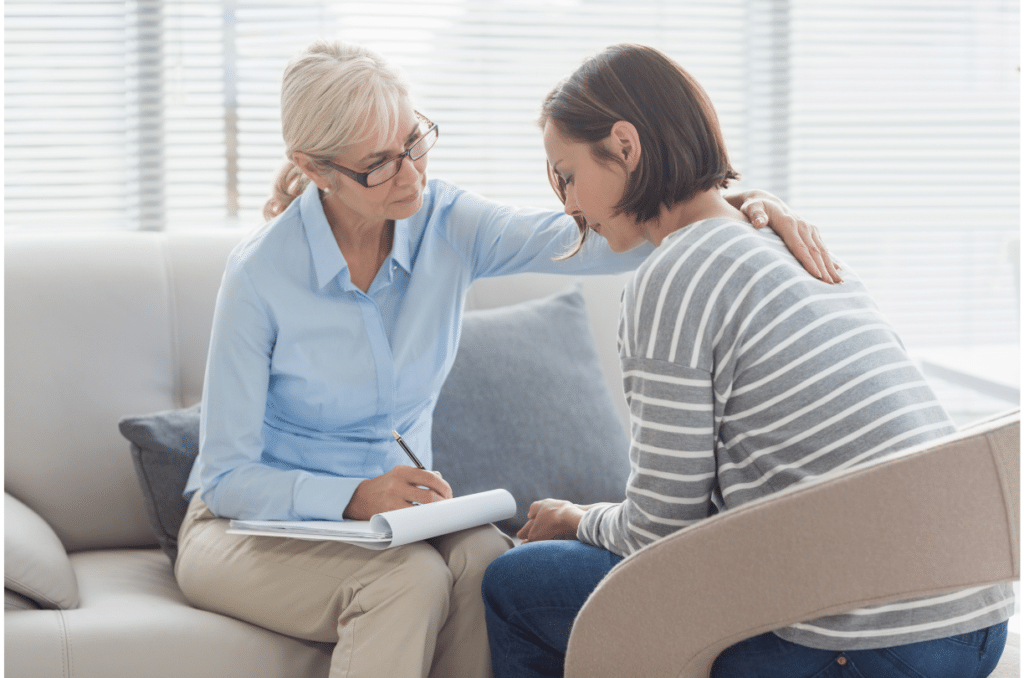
(333, 95)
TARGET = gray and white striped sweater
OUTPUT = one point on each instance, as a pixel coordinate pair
(744, 375)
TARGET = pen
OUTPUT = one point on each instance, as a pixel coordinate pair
(407, 450)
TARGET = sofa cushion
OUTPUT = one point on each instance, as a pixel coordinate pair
(135, 622)
(36, 565)
(164, 446)
(526, 407)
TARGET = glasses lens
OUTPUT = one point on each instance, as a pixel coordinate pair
(383, 173)
(390, 169)
(425, 143)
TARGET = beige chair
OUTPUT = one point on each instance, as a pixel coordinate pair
(936, 518)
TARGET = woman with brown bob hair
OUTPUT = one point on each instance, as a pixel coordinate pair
(743, 376)
(687, 154)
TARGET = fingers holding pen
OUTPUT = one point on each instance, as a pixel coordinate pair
(430, 481)
(401, 487)
(417, 486)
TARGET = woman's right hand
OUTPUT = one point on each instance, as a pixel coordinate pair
(400, 487)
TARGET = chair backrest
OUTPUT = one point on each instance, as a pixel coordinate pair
(935, 518)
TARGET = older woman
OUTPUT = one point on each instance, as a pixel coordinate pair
(744, 377)
(335, 324)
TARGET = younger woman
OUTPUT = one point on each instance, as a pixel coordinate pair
(743, 376)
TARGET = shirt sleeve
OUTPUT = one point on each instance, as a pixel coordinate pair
(499, 240)
(234, 479)
(671, 457)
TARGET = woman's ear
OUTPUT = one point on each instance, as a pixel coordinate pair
(626, 142)
(310, 169)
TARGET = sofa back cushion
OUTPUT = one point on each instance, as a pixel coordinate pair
(97, 326)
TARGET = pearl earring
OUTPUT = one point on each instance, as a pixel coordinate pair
(326, 190)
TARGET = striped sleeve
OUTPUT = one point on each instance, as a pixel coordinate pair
(672, 464)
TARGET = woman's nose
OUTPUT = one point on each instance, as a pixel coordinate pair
(411, 170)
(572, 208)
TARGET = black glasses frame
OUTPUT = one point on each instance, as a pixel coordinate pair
(362, 178)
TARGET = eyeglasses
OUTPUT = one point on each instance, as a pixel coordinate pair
(388, 169)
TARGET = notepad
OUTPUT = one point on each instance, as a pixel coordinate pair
(392, 528)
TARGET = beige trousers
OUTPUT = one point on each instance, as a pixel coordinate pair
(410, 611)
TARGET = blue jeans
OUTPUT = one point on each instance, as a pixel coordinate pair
(531, 599)
(533, 593)
(971, 655)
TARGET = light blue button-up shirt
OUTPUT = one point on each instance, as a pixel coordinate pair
(307, 375)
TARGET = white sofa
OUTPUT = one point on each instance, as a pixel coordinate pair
(99, 326)
(103, 325)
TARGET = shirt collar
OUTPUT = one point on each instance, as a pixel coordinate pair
(327, 259)
(400, 245)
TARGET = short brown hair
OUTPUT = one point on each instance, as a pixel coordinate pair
(683, 150)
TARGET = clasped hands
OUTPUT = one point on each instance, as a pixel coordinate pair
(551, 519)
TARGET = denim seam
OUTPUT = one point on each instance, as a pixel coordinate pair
(897, 662)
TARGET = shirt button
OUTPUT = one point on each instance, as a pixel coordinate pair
(841, 661)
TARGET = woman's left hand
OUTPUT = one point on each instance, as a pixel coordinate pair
(551, 519)
(802, 239)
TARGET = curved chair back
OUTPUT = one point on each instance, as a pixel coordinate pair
(932, 519)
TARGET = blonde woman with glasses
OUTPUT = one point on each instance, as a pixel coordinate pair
(336, 323)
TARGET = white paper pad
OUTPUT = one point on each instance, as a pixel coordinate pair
(392, 528)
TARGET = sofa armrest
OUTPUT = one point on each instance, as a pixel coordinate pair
(36, 565)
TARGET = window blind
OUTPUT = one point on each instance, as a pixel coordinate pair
(64, 114)
(480, 70)
(893, 126)
(904, 145)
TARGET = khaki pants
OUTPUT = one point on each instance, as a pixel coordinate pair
(410, 611)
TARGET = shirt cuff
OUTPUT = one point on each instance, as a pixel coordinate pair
(321, 497)
(589, 526)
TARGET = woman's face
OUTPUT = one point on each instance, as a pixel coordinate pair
(592, 188)
(398, 198)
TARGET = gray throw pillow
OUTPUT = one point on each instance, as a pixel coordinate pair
(164, 446)
(526, 407)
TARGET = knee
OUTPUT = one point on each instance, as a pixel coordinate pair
(502, 572)
(411, 575)
(423, 574)
(490, 545)
(522, 569)
(496, 586)
(476, 550)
